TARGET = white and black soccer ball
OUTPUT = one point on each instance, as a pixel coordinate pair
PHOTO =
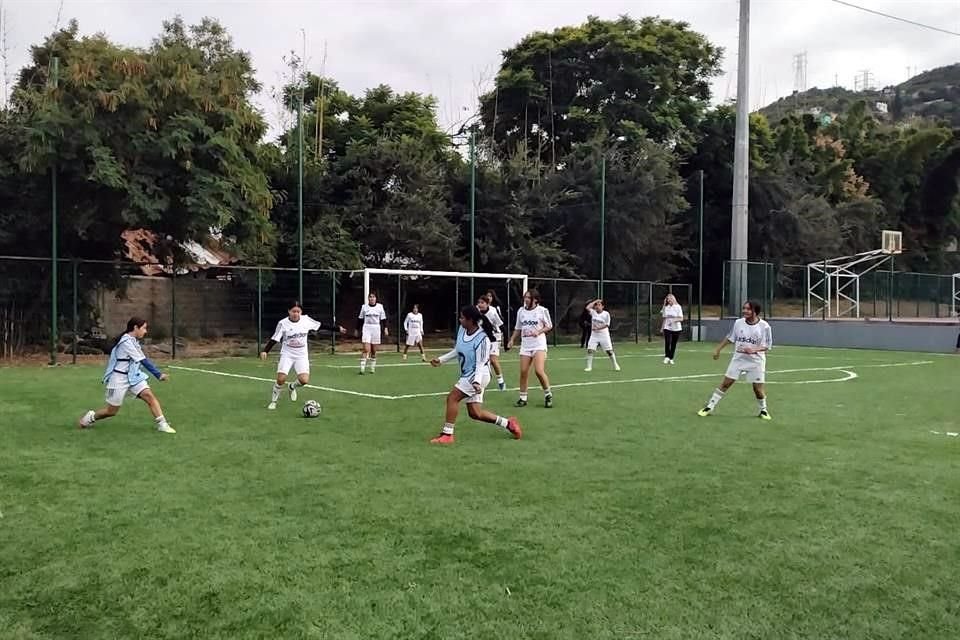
(311, 409)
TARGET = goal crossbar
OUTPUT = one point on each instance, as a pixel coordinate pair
(522, 277)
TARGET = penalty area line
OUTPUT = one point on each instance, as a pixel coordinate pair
(375, 396)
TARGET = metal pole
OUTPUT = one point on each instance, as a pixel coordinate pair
(741, 162)
(473, 208)
(259, 309)
(399, 311)
(173, 312)
(890, 291)
(556, 318)
(650, 314)
(333, 307)
(76, 290)
(699, 268)
(603, 217)
(456, 302)
(300, 197)
(826, 290)
(54, 81)
(636, 313)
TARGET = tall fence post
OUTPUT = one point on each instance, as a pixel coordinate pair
(916, 291)
(556, 316)
(826, 290)
(723, 292)
(456, 311)
(650, 314)
(173, 313)
(333, 309)
(259, 310)
(890, 282)
(507, 319)
(76, 293)
(399, 310)
(636, 314)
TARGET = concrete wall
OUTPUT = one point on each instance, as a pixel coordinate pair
(914, 335)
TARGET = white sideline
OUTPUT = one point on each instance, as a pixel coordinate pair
(846, 369)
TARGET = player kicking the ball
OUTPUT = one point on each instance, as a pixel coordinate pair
(124, 377)
(291, 334)
(752, 338)
(473, 350)
(599, 334)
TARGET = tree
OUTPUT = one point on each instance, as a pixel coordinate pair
(164, 138)
(556, 90)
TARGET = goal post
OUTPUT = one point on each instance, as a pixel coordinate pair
(508, 280)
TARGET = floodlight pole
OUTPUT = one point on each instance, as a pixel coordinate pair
(741, 165)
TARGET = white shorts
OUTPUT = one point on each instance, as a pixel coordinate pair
(602, 341)
(371, 334)
(115, 395)
(300, 364)
(529, 353)
(413, 339)
(464, 385)
(754, 374)
(495, 348)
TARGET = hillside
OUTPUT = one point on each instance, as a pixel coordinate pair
(932, 94)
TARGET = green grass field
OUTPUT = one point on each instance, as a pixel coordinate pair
(621, 514)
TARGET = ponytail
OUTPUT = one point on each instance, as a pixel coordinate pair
(472, 313)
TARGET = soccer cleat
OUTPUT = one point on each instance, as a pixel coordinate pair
(443, 438)
(86, 420)
(666, 361)
(548, 401)
(404, 357)
(272, 406)
(502, 386)
(424, 358)
(616, 367)
(764, 415)
(588, 370)
(293, 392)
(521, 403)
(703, 413)
(513, 426)
(165, 428)
(671, 361)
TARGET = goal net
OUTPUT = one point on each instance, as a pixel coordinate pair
(439, 296)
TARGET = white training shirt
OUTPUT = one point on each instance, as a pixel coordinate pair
(372, 316)
(752, 335)
(493, 315)
(127, 351)
(292, 336)
(671, 317)
(529, 322)
(600, 322)
(413, 324)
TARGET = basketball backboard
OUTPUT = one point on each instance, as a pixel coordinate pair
(891, 242)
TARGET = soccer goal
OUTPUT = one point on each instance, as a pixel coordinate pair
(833, 286)
(440, 294)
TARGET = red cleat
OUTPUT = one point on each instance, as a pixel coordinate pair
(513, 426)
(443, 438)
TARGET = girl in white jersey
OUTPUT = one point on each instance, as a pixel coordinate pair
(372, 324)
(752, 338)
(599, 334)
(473, 352)
(291, 334)
(124, 377)
(492, 314)
(413, 326)
(533, 325)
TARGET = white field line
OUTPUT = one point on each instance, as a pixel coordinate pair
(846, 369)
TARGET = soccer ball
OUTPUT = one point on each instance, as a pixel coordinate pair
(311, 409)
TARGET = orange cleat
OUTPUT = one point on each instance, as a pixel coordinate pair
(443, 438)
(513, 426)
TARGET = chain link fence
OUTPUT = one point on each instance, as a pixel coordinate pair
(232, 310)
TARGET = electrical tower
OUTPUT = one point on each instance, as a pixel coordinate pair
(864, 81)
(800, 72)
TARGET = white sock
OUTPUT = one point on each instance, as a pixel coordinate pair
(501, 422)
(447, 429)
(589, 360)
(296, 383)
(613, 359)
(500, 379)
(276, 392)
(161, 421)
(715, 399)
(523, 396)
(373, 364)
(547, 393)
(762, 403)
(363, 364)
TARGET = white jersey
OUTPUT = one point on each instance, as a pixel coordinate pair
(529, 323)
(750, 335)
(493, 315)
(292, 336)
(671, 317)
(600, 322)
(413, 324)
(372, 316)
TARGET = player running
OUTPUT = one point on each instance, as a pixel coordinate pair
(492, 314)
(413, 326)
(124, 376)
(599, 334)
(752, 338)
(372, 324)
(473, 350)
(533, 325)
(291, 333)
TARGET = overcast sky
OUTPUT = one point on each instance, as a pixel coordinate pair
(448, 48)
